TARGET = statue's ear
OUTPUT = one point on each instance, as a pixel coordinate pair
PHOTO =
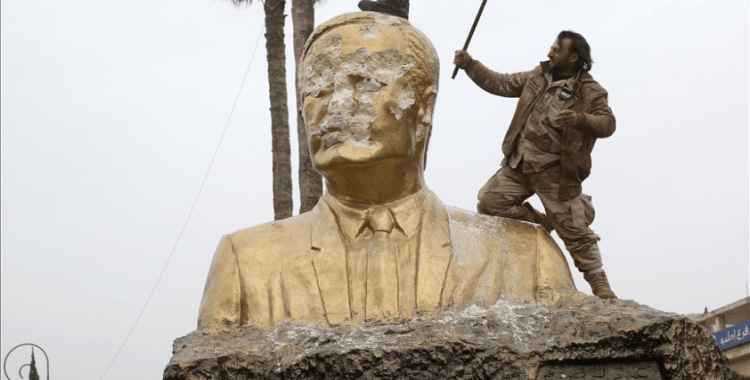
(424, 119)
(426, 108)
(301, 116)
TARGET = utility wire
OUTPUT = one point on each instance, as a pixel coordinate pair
(158, 280)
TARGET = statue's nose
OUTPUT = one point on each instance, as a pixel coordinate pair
(350, 104)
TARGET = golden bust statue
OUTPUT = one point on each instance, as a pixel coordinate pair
(379, 247)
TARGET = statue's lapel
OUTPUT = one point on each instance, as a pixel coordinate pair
(435, 253)
(329, 262)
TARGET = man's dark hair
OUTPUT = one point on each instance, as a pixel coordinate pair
(578, 45)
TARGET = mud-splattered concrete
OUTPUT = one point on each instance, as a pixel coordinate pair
(504, 342)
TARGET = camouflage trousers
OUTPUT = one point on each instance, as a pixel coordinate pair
(504, 195)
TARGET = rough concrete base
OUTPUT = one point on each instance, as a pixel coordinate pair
(580, 337)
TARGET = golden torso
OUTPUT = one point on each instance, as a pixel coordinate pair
(297, 269)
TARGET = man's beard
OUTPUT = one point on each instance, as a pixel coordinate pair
(558, 69)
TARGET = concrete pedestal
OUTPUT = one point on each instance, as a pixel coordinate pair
(580, 337)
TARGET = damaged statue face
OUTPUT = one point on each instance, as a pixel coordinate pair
(359, 103)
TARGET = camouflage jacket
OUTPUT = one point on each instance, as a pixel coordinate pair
(589, 100)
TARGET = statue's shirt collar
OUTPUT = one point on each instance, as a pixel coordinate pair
(352, 216)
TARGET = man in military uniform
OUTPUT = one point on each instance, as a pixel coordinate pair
(561, 112)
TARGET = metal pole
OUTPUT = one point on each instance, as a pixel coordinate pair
(471, 33)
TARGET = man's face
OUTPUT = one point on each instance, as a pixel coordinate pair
(560, 57)
(358, 106)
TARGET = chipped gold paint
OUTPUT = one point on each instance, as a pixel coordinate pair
(369, 83)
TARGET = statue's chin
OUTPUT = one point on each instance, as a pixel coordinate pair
(336, 164)
(342, 158)
(343, 154)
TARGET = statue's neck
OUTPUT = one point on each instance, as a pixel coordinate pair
(382, 183)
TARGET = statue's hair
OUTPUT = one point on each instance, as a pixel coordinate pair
(426, 62)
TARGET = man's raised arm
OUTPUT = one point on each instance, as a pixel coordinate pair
(507, 85)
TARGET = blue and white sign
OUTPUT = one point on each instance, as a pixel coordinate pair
(732, 336)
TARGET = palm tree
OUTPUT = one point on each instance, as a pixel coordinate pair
(281, 151)
(310, 182)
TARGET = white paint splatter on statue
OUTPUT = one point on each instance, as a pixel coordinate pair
(351, 108)
(369, 32)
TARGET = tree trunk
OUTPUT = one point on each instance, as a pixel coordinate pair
(310, 182)
(282, 165)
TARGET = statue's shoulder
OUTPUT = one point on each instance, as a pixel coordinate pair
(496, 234)
(489, 226)
(273, 235)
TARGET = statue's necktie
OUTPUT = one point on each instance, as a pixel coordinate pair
(381, 304)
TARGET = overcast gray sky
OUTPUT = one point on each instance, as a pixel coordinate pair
(111, 112)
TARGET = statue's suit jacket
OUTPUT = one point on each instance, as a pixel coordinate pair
(295, 269)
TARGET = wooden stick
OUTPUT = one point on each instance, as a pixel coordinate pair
(471, 33)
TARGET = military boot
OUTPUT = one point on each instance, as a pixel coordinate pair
(599, 284)
(398, 8)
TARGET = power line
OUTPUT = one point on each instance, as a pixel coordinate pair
(179, 237)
